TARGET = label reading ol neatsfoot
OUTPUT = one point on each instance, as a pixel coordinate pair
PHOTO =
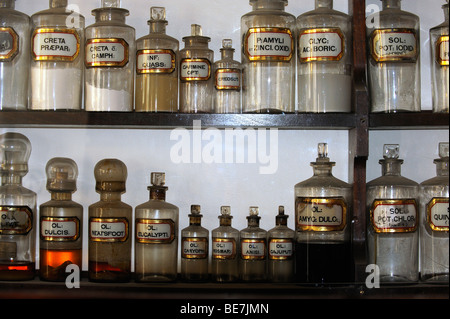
(108, 229)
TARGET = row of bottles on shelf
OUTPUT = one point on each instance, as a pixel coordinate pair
(151, 74)
(399, 213)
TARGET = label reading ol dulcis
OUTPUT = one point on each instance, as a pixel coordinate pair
(394, 215)
(106, 52)
(15, 220)
(269, 44)
(59, 228)
(154, 61)
(55, 44)
(198, 69)
(438, 214)
(323, 44)
(442, 51)
(108, 229)
(394, 45)
(155, 231)
(320, 214)
(9, 44)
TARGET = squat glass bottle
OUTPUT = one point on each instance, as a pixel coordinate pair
(15, 30)
(110, 60)
(61, 222)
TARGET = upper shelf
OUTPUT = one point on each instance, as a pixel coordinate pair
(419, 120)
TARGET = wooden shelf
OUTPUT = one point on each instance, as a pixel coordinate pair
(419, 120)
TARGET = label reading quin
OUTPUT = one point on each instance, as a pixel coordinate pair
(253, 249)
(320, 214)
(108, 229)
(55, 44)
(194, 247)
(324, 44)
(442, 50)
(15, 220)
(280, 248)
(438, 214)
(9, 44)
(273, 44)
(60, 228)
(155, 231)
(394, 215)
(106, 52)
(155, 61)
(195, 70)
(228, 79)
(394, 45)
(223, 248)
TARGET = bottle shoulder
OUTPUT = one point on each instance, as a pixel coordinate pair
(61, 204)
(323, 182)
(392, 180)
(153, 204)
(323, 17)
(436, 181)
(281, 232)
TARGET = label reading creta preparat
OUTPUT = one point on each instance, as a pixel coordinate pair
(228, 79)
(253, 249)
(442, 50)
(320, 214)
(394, 45)
(269, 44)
(60, 228)
(324, 44)
(195, 70)
(223, 248)
(55, 44)
(280, 249)
(108, 229)
(438, 214)
(155, 61)
(194, 247)
(394, 215)
(155, 231)
(106, 53)
(9, 44)
(15, 220)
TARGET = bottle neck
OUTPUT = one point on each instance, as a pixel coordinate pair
(280, 221)
(322, 169)
(158, 194)
(225, 221)
(110, 196)
(445, 8)
(10, 4)
(117, 15)
(12, 179)
(391, 167)
(53, 4)
(268, 5)
(253, 221)
(195, 221)
(196, 41)
(227, 54)
(328, 4)
(157, 26)
(61, 196)
(392, 4)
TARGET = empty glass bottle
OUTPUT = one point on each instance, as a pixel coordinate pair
(61, 222)
(392, 221)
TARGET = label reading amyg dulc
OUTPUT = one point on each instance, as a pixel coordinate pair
(106, 52)
(59, 228)
(228, 79)
(55, 44)
(437, 214)
(153, 61)
(15, 220)
(9, 44)
(280, 248)
(195, 70)
(223, 248)
(442, 50)
(269, 44)
(155, 231)
(108, 229)
(320, 214)
(394, 215)
(323, 44)
(194, 247)
(394, 45)
(253, 249)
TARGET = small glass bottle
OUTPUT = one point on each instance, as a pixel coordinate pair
(325, 60)
(194, 244)
(57, 58)
(392, 221)
(434, 220)
(17, 210)
(394, 59)
(15, 28)
(61, 222)
(268, 59)
(196, 79)
(228, 75)
(323, 210)
(225, 254)
(253, 242)
(156, 241)
(157, 67)
(109, 225)
(439, 65)
(110, 60)
(281, 250)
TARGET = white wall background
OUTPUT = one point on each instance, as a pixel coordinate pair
(239, 185)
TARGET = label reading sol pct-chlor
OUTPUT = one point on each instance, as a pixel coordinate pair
(394, 215)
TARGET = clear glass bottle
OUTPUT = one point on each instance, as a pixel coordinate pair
(392, 221)
(60, 221)
(393, 38)
(225, 254)
(156, 241)
(157, 67)
(323, 210)
(439, 64)
(253, 242)
(280, 241)
(228, 75)
(57, 58)
(109, 225)
(17, 209)
(110, 60)
(434, 220)
(194, 245)
(15, 28)
(196, 79)
(268, 59)
(324, 68)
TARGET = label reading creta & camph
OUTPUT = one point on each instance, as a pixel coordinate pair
(106, 52)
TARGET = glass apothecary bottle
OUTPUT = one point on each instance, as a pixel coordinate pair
(393, 38)
(253, 242)
(194, 245)
(15, 30)
(323, 210)
(157, 67)
(109, 225)
(228, 75)
(225, 254)
(392, 221)
(434, 222)
(324, 68)
(268, 58)
(156, 241)
(17, 209)
(60, 221)
(196, 78)
(439, 65)
(57, 58)
(110, 60)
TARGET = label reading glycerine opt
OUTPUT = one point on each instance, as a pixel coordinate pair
(394, 215)
(155, 231)
(108, 229)
(437, 214)
(269, 44)
(442, 50)
(155, 61)
(324, 44)
(9, 44)
(106, 52)
(60, 228)
(394, 45)
(55, 44)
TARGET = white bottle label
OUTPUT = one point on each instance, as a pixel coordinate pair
(195, 70)
(228, 79)
(15, 220)
(394, 45)
(394, 215)
(442, 50)
(223, 248)
(156, 231)
(280, 248)
(323, 44)
(106, 52)
(253, 249)
(438, 214)
(55, 44)
(320, 214)
(155, 61)
(194, 247)
(60, 228)
(108, 229)
(9, 44)
(269, 44)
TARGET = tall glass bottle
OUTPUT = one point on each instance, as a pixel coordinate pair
(61, 222)
(325, 60)
(439, 64)
(109, 225)
(281, 250)
(194, 245)
(156, 241)
(394, 59)
(434, 220)
(17, 209)
(196, 79)
(110, 60)
(57, 58)
(157, 67)
(225, 254)
(323, 210)
(228, 75)
(253, 242)
(15, 30)
(392, 221)
(268, 58)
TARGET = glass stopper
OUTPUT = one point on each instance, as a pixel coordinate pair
(110, 175)
(196, 30)
(443, 150)
(157, 14)
(195, 210)
(158, 179)
(15, 150)
(254, 211)
(225, 211)
(391, 150)
(111, 3)
(62, 174)
(227, 43)
(322, 150)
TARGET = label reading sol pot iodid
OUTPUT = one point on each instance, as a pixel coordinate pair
(253, 249)
(223, 248)
(155, 61)
(106, 52)
(280, 248)
(323, 44)
(320, 214)
(194, 247)
(60, 228)
(155, 231)
(55, 44)
(269, 44)
(108, 229)
(442, 51)
(394, 215)
(438, 214)
(15, 220)
(228, 79)
(394, 45)
(195, 70)
(9, 44)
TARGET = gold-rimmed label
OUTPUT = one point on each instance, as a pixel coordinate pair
(223, 248)
(152, 61)
(194, 247)
(320, 214)
(106, 52)
(228, 79)
(108, 229)
(442, 50)
(53, 44)
(15, 220)
(321, 44)
(253, 249)
(269, 44)
(394, 215)
(9, 44)
(394, 45)
(59, 228)
(437, 214)
(281, 248)
(155, 231)
(195, 70)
